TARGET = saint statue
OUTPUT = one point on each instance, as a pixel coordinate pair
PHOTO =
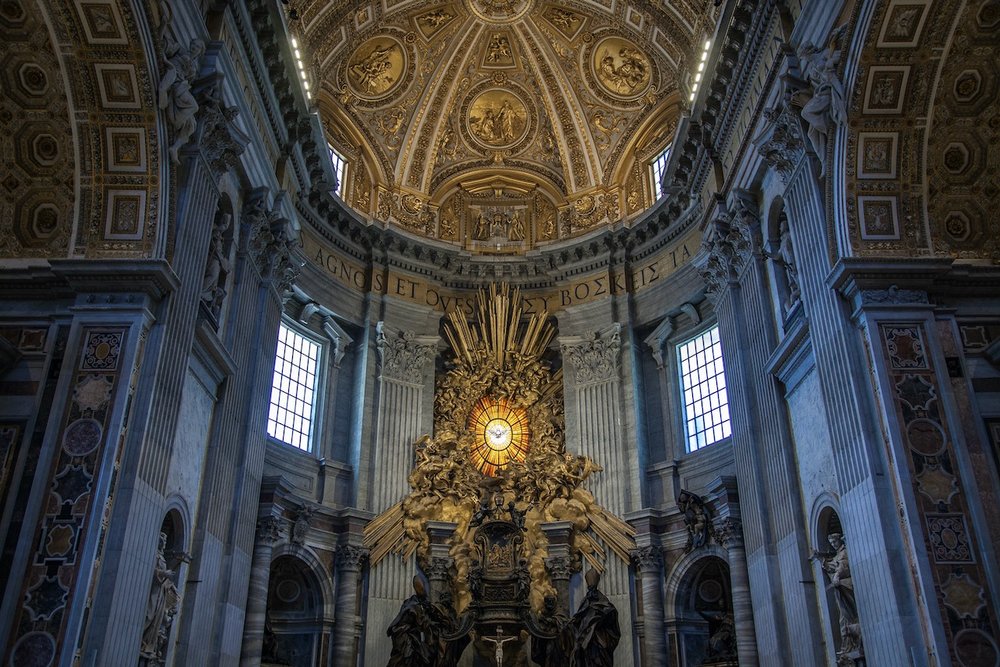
(174, 92)
(785, 258)
(695, 518)
(838, 569)
(595, 628)
(825, 110)
(217, 267)
(553, 652)
(416, 631)
(163, 604)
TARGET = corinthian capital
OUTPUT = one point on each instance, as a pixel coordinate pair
(647, 559)
(594, 357)
(404, 355)
(351, 557)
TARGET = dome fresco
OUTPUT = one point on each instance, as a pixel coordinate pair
(501, 125)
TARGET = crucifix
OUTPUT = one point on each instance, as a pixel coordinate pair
(499, 640)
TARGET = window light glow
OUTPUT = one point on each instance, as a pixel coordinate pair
(293, 389)
(703, 387)
(658, 167)
(339, 167)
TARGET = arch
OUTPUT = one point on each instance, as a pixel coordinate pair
(699, 610)
(822, 506)
(688, 564)
(324, 579)
(295, 618)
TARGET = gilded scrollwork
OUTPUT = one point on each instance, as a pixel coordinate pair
(499, 356)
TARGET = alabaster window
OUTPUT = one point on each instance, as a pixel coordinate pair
(291, 415)
(339, 168)
(658, 169)
(703, 388)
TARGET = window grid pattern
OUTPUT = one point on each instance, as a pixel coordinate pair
(659, 169)
(703, 384)
(339, 168)
(293, 389)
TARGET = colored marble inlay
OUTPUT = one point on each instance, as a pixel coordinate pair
(49, 581)
(941, 497)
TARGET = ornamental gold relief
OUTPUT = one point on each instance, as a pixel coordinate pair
(379, 68)
(497, 118)
(620, 67)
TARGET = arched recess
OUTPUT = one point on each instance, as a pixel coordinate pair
(699, 610)
(842, 632)
(300, 604)
(922, 113)
(97, 142)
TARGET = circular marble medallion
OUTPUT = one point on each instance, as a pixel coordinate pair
(925, 437)
(497, 118)
(82, 437)
(620, 68)
(377, 67)
(35, 649)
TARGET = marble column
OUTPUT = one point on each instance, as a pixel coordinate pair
(406, 369)
(269, 530)
(729, 534)
(351, 560)
(595, 427)
(648, 561)
(559, 563)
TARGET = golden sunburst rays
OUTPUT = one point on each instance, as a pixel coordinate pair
(501, 434)
(498, 329)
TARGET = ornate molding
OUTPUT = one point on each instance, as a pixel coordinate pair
(404, 355)
(892, 295)
(731, 240)
(269, 530)
(595, 356)
(647, 560)
(780, 142)
(270, 242)
(351, 557)
(437, 568)
(729, 532)
(221, 142)
(559, 567)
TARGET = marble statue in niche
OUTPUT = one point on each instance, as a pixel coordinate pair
(837, 567)
(162, 606)
(218, 266)
(825, 108)
(784, 257)
(174, 93)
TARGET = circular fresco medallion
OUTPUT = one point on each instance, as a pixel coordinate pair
(377, 67)
(499, 11)
(620, 68)
(497, 118)
(82, 437)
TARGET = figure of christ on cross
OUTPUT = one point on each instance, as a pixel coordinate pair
(499, 640)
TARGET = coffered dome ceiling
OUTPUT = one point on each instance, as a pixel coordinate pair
(500, 125)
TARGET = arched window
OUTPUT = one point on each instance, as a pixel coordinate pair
(658, 169)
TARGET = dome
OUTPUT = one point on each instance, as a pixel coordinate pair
(501, 125)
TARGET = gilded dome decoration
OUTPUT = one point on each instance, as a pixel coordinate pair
(502, 125)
